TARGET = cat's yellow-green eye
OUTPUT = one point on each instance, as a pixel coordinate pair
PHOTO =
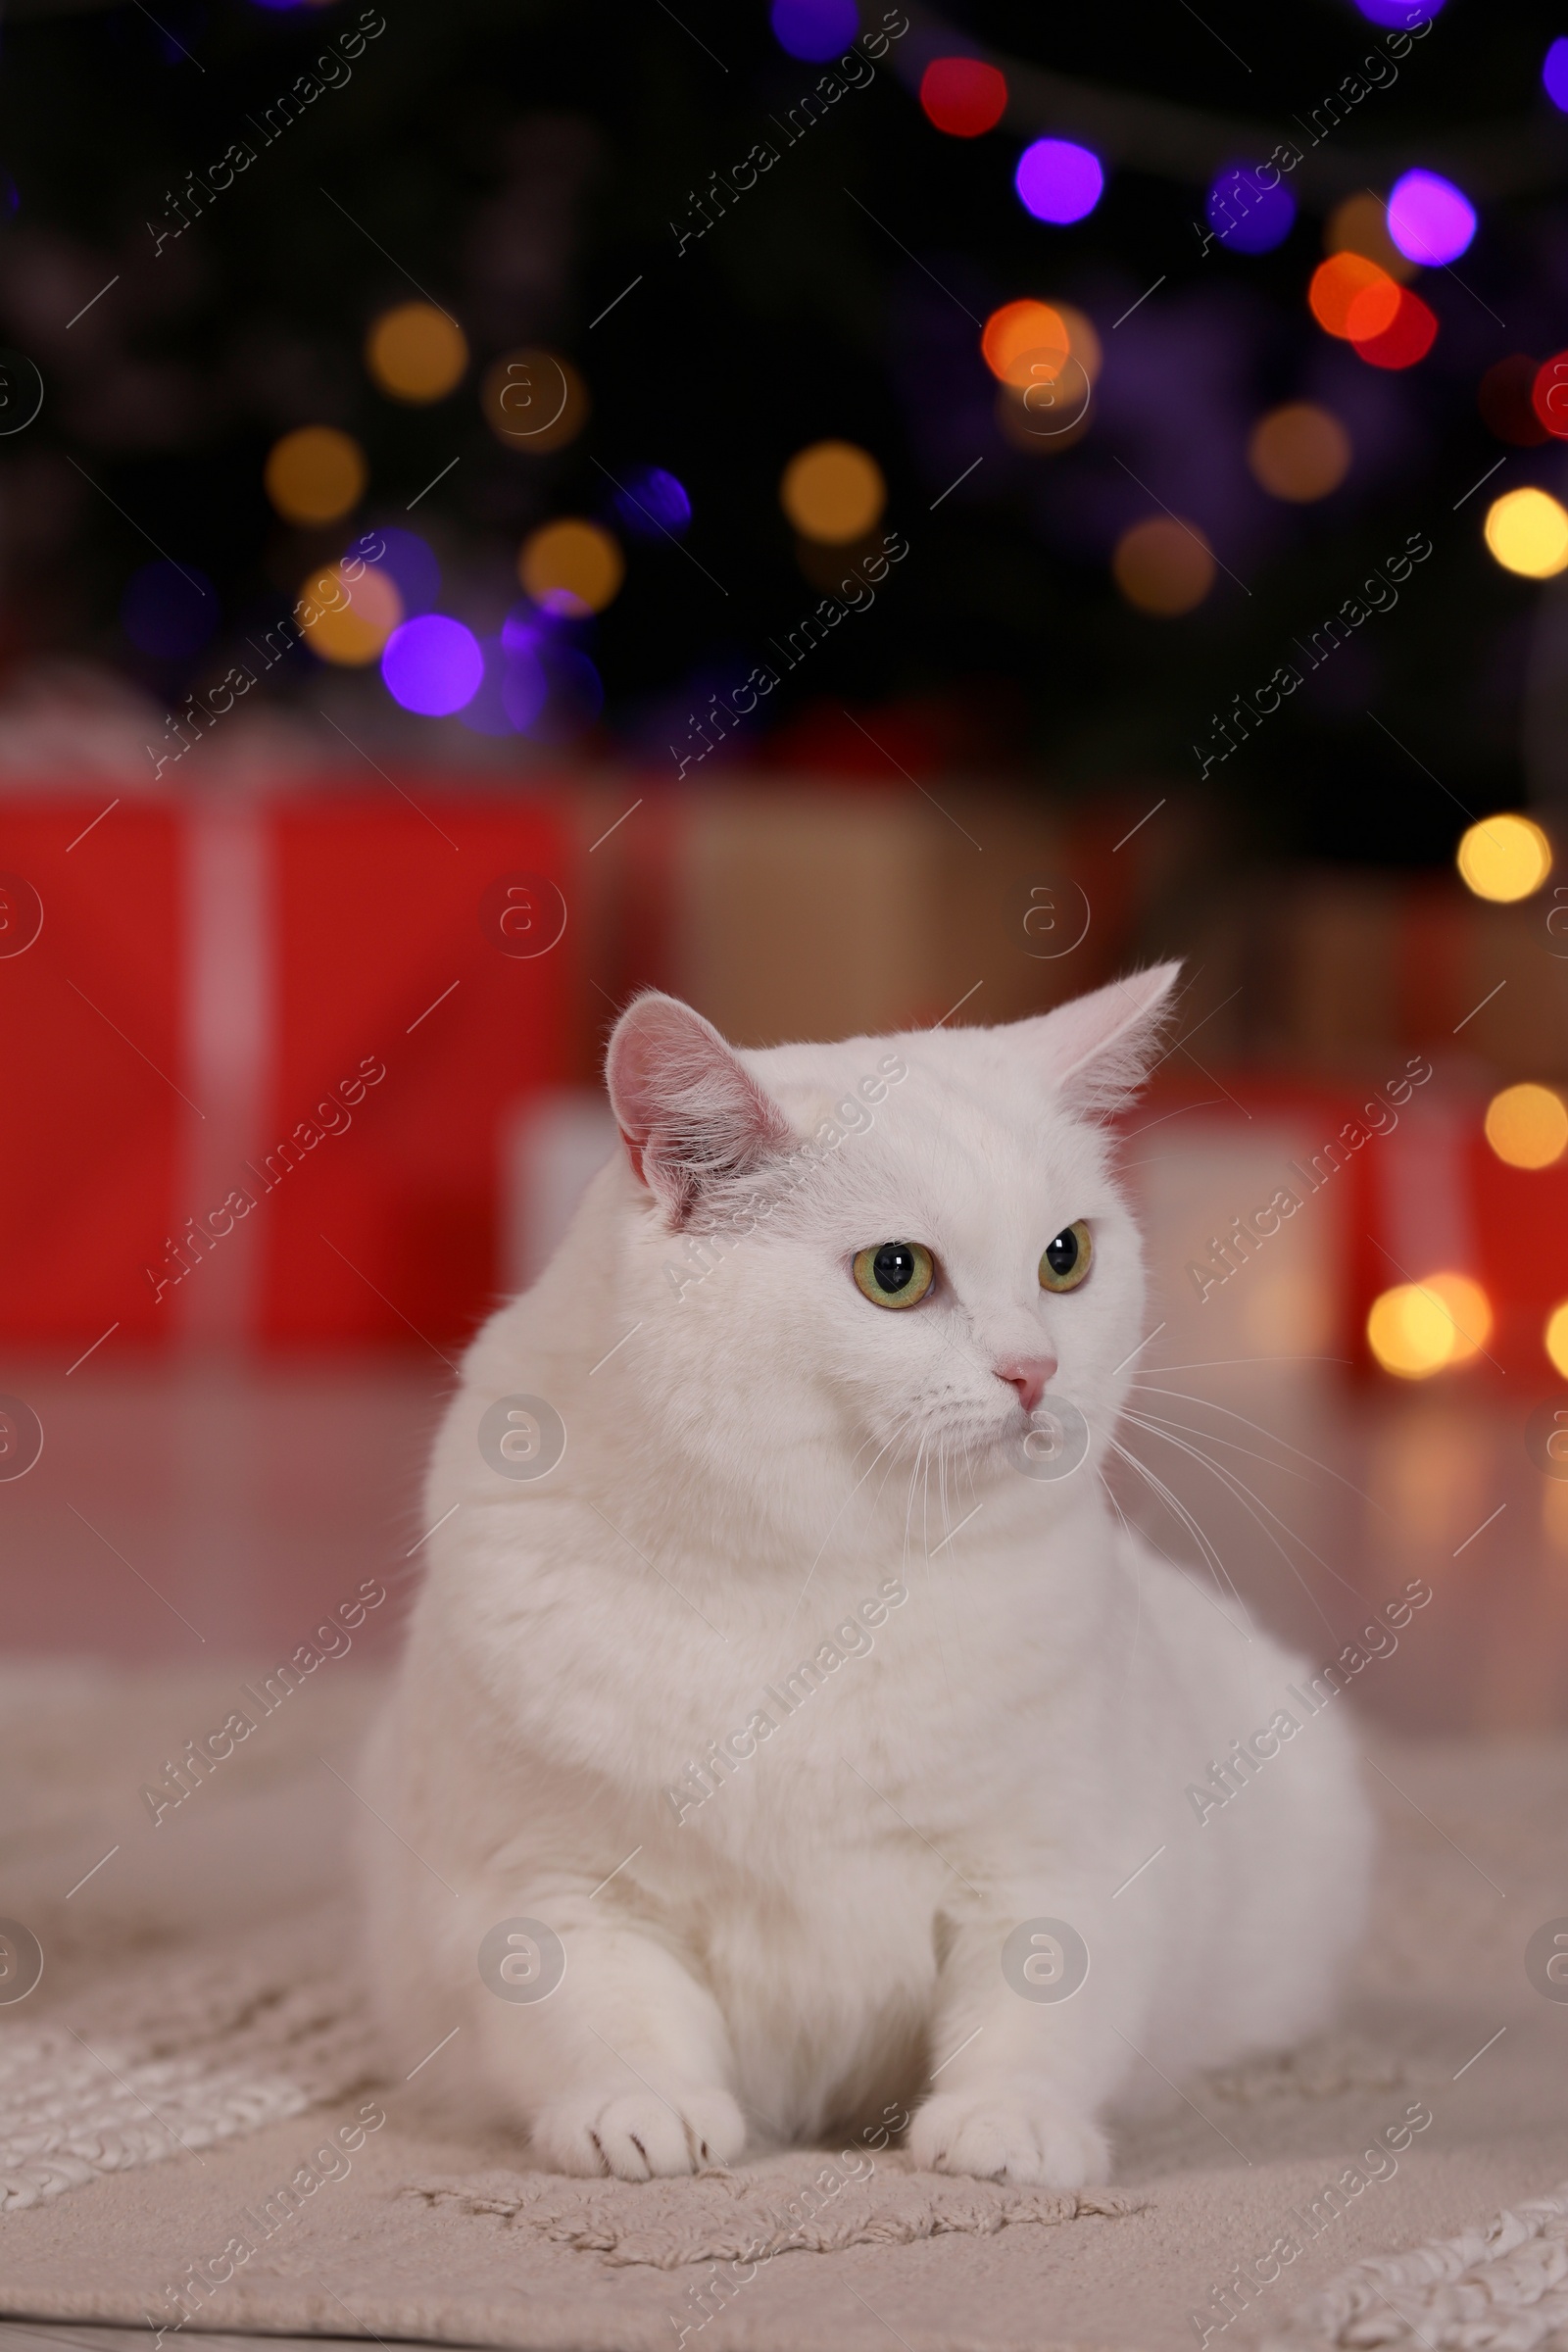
(894, 1273)
(1067, 1259)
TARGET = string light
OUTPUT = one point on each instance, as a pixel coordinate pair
(963, 96)
(416, 353)
(1339, 282)
(432, 666)
(571, 567)
(1419, 1328)
(1527, 1126)
(1430, 220)
(1404, 339)
(315, 474)
(832, 492)
(1300, 452)
(1163, 567)
(1503, 858)
(1058, 181)
(1526, 532)
(534, 400)
(348, 621)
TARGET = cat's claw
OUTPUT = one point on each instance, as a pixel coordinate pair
(637, 2135)
(1003, 2135)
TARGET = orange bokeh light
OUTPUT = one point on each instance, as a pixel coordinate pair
(1336, 285)
(1372, 311)
(1020, 330)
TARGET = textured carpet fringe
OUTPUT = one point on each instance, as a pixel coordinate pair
(172, 2061)
(1499, 2286)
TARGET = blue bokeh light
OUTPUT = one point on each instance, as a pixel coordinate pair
(408, 562)
(1245, 214)
(169, 612)
(1554, 74)
(651, 500)
(815, 30)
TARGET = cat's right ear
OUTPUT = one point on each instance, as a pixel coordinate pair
(690, 1115)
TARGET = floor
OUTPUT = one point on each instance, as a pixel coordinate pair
(207, 1511)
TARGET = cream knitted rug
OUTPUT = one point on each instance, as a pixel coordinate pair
(195, 2133)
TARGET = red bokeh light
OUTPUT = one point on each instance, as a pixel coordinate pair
(1504, 399)
(962, 96)
(1548, 395)
(1408, 336)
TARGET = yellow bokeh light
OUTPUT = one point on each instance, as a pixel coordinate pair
(348, 621)
(1468, 1309)
(534, 400)
(572, 566)
(1527, 1126)
(1504, 858)
(1163, 565)
(1555, 1336)
(1360, 224)
(832, 492)
(316, 474)
(1419, 1328)
(1528, 533)
(416, 353)
(1083, 339)
(1300, 452)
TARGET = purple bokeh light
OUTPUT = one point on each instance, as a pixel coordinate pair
(575, 698)
(1430, 220)
(815, 30)
(1554, 74)
(652, 502)
(408, 562)
(1058, 181)
(169, 612)
(513, 689)
(1247, 217)
(432, 666)
(1401, 16)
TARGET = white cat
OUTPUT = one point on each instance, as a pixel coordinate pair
(813, 1703)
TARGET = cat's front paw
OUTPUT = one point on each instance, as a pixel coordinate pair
(637, 2135)
(1008, 2135)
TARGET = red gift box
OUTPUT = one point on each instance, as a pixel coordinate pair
(263, 1055)
(91, 975)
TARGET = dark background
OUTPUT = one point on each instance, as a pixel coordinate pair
(524, 162)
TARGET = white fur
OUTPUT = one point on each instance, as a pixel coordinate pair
(766, 1451)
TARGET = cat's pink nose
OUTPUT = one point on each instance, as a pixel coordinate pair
(1028, 1374)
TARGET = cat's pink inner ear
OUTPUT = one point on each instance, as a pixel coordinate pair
(1098, 1050)
(689, 1111)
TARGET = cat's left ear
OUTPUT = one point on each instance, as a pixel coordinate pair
(1096, 1049)
(690, 1113)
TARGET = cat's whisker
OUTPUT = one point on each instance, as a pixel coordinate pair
(1163, 1428)
(1208, 1405)
(1179, 1510)
(1244, 1494)
(1141, 1534)
(1214, 1363)
(1231, 1445)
